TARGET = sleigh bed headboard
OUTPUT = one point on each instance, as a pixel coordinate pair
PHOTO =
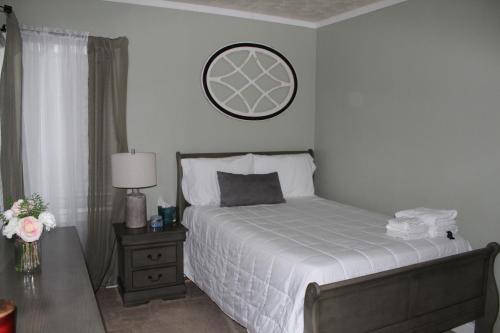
(181, 201)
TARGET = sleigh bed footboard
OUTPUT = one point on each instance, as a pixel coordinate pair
(432, 296)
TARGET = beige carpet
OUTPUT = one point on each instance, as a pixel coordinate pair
(195, 313)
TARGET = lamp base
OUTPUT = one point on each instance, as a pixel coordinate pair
(136, 210)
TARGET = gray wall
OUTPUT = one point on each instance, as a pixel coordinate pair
(167, 111)
(408, 111)
(407, 98)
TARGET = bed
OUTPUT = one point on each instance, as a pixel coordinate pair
(314, 265)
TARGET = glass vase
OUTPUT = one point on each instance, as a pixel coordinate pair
(28, 256)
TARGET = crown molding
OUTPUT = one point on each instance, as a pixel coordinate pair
(261, 17)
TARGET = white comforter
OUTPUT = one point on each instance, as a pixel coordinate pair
(256, 262)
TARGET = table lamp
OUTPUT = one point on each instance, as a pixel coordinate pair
(134, 171)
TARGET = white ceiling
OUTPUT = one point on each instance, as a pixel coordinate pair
(308, 13)
(306, 10)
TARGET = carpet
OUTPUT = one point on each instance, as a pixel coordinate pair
(194, 313)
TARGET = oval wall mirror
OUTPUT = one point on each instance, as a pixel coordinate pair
(249, 81)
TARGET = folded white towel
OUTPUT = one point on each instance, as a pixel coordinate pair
(442, 224)
(407, 236)
(429, 216)
(407, 225)
(442, 231)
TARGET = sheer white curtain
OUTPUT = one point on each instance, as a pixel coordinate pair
(55, 122)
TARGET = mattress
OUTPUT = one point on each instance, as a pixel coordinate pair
(255, 262)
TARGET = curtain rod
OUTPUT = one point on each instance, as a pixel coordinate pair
(54, 32)
(6, 9)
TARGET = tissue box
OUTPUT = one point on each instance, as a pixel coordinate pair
(167, 214)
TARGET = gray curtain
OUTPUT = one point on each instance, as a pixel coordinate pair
(108, 69)
(11, 162)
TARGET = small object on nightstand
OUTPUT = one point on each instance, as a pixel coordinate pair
(167, 214)
(150, 263)
(156, 222)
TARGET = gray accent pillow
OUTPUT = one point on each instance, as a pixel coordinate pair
(248, 190)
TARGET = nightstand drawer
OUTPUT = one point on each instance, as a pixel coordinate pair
(153, 277)
(154, 256)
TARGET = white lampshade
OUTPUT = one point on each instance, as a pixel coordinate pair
(133, 170)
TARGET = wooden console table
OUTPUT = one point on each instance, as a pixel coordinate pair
(60, 297)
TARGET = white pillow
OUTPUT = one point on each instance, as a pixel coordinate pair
(199, 177)
(295, 172)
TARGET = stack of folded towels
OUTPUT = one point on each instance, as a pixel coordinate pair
(422, 222)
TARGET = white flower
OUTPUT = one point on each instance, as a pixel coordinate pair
(8, 214)
(10, 228)
(48, 220)
(31, 204)
(16, 207)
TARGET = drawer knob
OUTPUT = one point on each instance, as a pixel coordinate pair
(158, 256)
(158, 277)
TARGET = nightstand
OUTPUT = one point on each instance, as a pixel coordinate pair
(150, 263)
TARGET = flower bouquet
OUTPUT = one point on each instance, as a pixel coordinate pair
(25, 221)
